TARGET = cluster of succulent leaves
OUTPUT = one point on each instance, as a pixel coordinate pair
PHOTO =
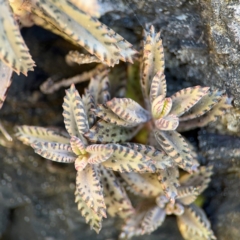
(101, 123)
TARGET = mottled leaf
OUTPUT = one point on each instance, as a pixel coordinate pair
(169, 179)
(90, 189)
(13, 51)
(107, 115)
(146, 185)
(85, 30)
(205, 104)
(98, 153)
(88, 103)
(161, 159)
(58, 152)
(177, 148)
(167, 123)
(30, 134)
(187, 195)
(80, 58)
(128, 110)
(216, 112)
(75, 117)
(161, 106)
(193, 224)
(186, 98)
(115, 196)
(152, 64)
(125, 159)
(94, 220)
(103, 132)
(5, 81)
(77, 146)
(199, 179)
(158, 86)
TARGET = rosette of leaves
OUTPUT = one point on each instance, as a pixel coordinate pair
(96, 184)
(192, 221)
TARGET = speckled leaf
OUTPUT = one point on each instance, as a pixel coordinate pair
(186, 98)
(158, 86)
(88, 103)
(161, 106)
(30, 134)
(93, 219)
(167, 123)
(80, 58)
(198, 179)
(5, 81)
(205, 104)
(115, 196)
(77, 146)
(211, 116)
(125, 159)
(187, 195)
(193, 224)
(107, 115)
(13, 51)
(169, 179)
(153, 219)
(152, 63)
(98, 153)
(146, 185)
(90, 189)
(128, 110)
(144, 221)
(161, 159)
(58, 152)
(75, 117)
(177, 148)
(85, 30)
(103, 132)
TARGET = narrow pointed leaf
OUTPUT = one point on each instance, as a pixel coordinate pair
(98, 153)
(30, 134)
(115, 196)
(107, 115)
(205, 104)
(125, 159)
(177, 148)
(80, 58)
(153, 63)
(103, 132)
(75, 117)
(146, 185)
(158, 86)
(169, 179)
(187, 195)
(77, 146)
(193, 224)
(90, 189)
(161, 159)
(58, 152)
(13, 51)
(5, 81)
(216, 112)
(86, 31)
(94, 220)
(198, 179)
(168, 123)
(186, 98)
(128, 110)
